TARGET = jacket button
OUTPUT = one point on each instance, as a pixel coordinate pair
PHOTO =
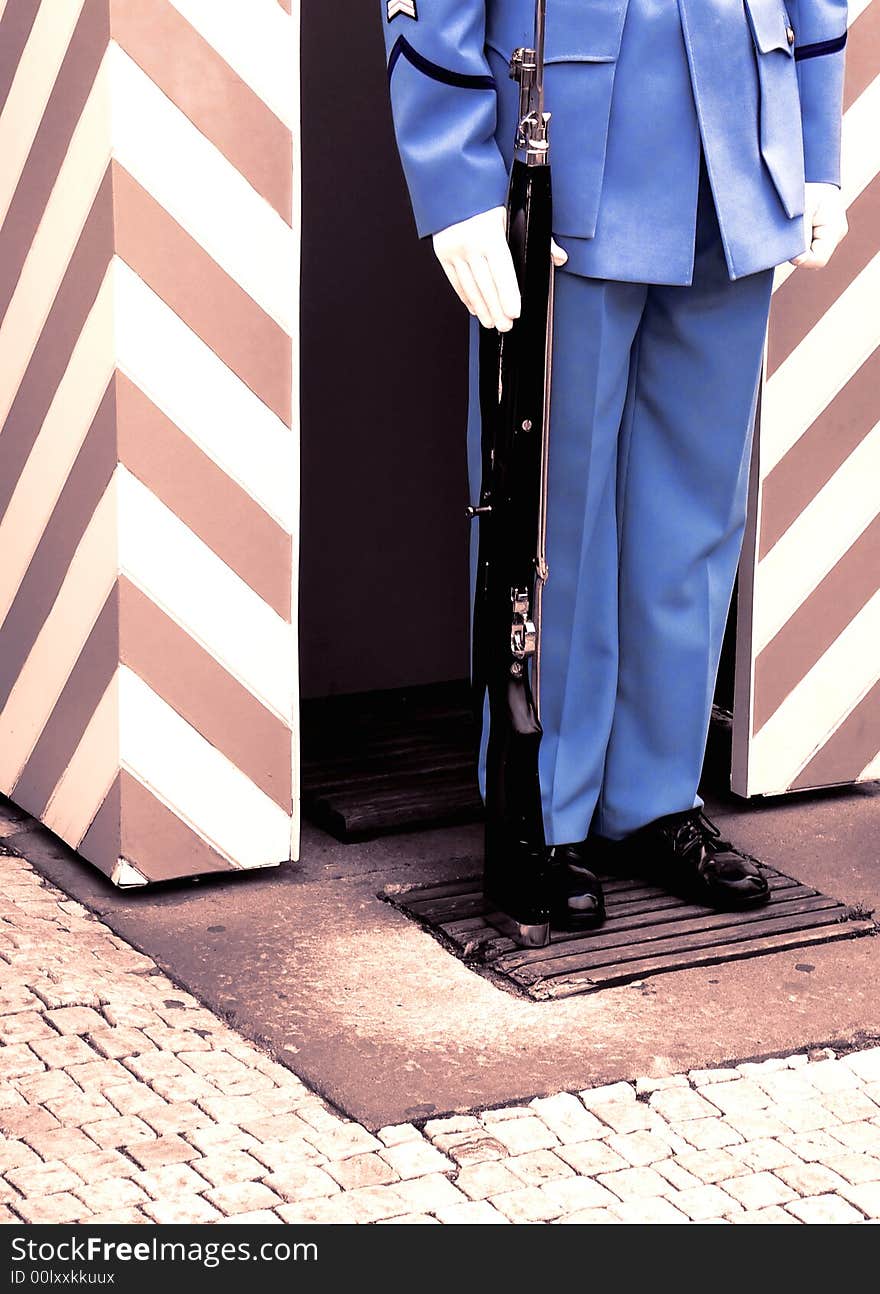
(789, 31)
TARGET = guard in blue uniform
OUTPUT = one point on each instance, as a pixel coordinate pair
(692, 142)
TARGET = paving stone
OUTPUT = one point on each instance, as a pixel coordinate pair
(122, 1130)
(345, 1140)
(161, 1151)
(471, 1147)
(711, 1166)
(850, 1107)
(651, 1210)
(676, 1176)
(705, 1077)
(591, 1158)
(529, 1204)
(416, 1159)
(610, 1093)
(787, 1087)
(741, 1096)
(639, 1148)
(703, 1202)
(502, 1114)
(805, 1116)
(864, 1064)
(765, 1153)
(61, 1143)
(279, 1155)
(63, 1052)
(257, 1218)
(826, 1209)
(400, 1132)
(631, 1183)
(102, 1197)
(170, 1117)
(52, 1209)
(211, 1137)
(18, 1059)
(757, 1125)
(75, 1019)
(590, 1217)
(831, 1076)
(862, 1135)
(538, 1166)
(241, 1197)
(81, 1108)
(43, 1179)
(681, 1104)
(232, 1166)
(115, 1043)
(374, 1203)
(479, 1212)
(479, 1181)
(752, 1068)
(409, 1218)
(170, 1181)
(332, 1209)
(758, 1190)
(646, 1084)
(520, 1135)
(810, 1179)
(362, 1170)
(853, 1167)
(182, 1210)
(46, 1086)
(227, 1109)
(708, 1134)
(440, 1127)
(865, 1197)
(98, 1165)
(811, 1146)
(15, 1154)
(427, 1194)
(133, 1098)
(774, 1214)
(23, 1026)
(301, 1182)
(277, 1127)
(565, 1116)
(573, 1194)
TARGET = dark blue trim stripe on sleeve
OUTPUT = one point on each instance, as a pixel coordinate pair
(820, 47)
(402, 47)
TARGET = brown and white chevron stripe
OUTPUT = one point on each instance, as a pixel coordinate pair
(809, 607)
(148, 453)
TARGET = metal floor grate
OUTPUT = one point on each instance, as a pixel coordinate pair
(648, 932)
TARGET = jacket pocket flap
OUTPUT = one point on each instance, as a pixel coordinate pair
(578, 31)
(770, 25)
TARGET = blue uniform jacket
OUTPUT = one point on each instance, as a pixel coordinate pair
(633, 87)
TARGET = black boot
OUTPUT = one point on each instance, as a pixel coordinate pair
(686, 854)
(576, 899)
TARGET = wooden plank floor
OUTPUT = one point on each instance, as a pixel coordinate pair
(378, 762)
(648, 932)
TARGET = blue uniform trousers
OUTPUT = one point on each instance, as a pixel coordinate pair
(652, 408)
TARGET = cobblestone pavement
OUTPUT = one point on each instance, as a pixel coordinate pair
(123, 1099)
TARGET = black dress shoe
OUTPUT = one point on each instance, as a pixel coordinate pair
(576, 899)
(686, 854)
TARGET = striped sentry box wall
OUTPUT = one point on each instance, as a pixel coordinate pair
(807, 712)
(148, 455)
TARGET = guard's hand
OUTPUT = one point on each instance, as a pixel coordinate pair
(825, 221)
(476, 259)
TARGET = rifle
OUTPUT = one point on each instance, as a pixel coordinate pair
(514, 392)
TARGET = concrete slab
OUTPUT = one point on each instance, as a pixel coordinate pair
(375, 1014)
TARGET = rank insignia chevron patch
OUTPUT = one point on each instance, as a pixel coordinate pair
(402, 8)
